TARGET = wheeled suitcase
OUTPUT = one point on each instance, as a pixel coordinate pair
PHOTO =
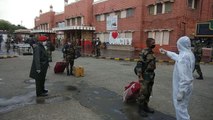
(60, 67)
(78, 71)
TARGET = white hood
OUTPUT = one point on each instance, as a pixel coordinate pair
(184, 44)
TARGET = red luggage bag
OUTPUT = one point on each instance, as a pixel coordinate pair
(60, 67)
(131, 91)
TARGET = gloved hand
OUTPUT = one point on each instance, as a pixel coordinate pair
(180, 96)
(38, 71)
(162, 51)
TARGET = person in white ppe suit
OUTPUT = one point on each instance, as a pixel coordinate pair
(182, 76)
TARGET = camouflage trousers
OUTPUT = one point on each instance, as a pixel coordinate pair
(197, 68)
(146, 88)
(70, 64)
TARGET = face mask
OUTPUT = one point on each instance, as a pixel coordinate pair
(69, 43)
(44, 43)
(153, 46)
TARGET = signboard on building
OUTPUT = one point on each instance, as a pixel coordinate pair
(204, 29)
(112, 22)
(116, 39)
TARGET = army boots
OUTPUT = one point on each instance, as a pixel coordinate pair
(148, 109)
(200, 77)
(141, 111)
(68, 72)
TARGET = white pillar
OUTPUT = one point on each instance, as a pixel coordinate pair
(155, 10)
(82, 21)
(163, 8)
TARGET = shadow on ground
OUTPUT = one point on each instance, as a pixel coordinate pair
(107, 104)
(110, 106)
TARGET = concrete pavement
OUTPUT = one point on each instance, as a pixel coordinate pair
(97, 96)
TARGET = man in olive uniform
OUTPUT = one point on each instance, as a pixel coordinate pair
(39, 67)
(198, 55)
(69, 54)
(146, 77)
(50, 48)
(98, 47)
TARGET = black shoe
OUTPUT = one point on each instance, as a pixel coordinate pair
(141, 112)
(200, 78)
(42, 95)
(45, 91)
(148, 110)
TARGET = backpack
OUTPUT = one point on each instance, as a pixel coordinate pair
(141, 65)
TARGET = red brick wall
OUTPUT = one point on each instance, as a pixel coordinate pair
(46, 18)
(80, 8)
(179, 16)
(59, 18)
(207, 10)
(141, 20)
(131, 23)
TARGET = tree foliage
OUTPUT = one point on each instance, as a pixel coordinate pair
(5, 25)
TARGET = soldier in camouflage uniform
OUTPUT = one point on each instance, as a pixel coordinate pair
(50, 48)
(69, 53)
(146, 78)
(198, 55)
(98, 47)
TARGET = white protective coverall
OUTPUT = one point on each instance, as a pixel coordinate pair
(182, 77)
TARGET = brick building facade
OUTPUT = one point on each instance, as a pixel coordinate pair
(126, 24)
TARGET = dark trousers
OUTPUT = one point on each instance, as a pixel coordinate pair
(69, 67)
(98, 52)
(197, 68)
(40, 80)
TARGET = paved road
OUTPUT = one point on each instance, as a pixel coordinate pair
(97, 96)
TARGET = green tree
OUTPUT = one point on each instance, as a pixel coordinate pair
(5, 25)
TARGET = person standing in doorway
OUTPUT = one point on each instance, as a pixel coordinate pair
(93, 46)
(98, 47)
(146, 78)
(39, 66)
